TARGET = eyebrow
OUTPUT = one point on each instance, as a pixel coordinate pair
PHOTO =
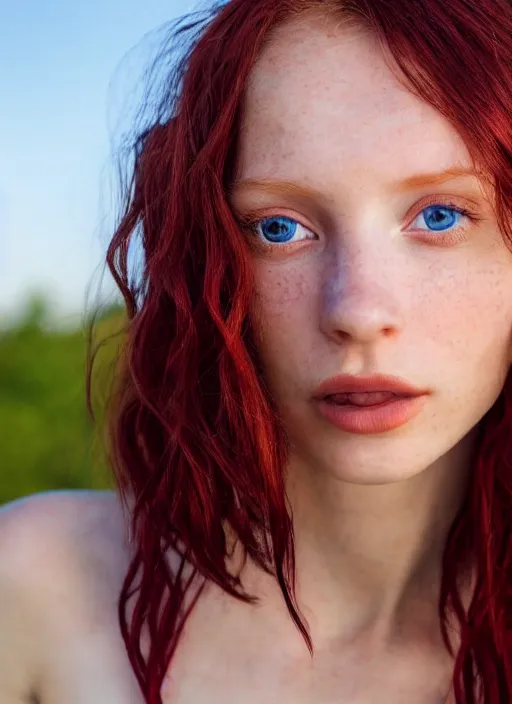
(415, 182)
(435, 179)
(277, 187)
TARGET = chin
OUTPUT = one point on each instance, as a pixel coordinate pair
(369, 476)
(371, 473)
(367, 460)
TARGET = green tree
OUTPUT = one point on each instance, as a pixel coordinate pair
(48, 440)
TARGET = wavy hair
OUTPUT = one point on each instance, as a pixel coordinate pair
(195, 440)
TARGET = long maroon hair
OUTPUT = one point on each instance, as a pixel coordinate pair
(195, 439)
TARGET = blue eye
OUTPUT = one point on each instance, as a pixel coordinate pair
(441, 217)
(278, 229)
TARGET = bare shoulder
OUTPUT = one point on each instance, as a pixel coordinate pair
(54, 510)
(63, 531)
(63, 558)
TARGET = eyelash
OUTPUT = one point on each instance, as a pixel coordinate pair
(251, 221)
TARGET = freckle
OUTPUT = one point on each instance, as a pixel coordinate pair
(291, 288)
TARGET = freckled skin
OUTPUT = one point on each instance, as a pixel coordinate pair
(366, 296)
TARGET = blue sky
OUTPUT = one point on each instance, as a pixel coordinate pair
(58, 59)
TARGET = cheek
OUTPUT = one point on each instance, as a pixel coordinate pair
(283, 311)
(465, 312)
(461, 331)
(279, 288)
(278, 294)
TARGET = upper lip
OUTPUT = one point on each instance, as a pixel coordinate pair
(346, 383)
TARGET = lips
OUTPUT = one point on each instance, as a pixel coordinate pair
(373, 419)
(348, 388)
(369, 405)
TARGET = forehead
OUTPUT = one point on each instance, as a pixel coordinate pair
(323, 94)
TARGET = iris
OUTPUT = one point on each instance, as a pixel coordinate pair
(278, 229)
(439, 217)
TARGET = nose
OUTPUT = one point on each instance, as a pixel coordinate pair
(361, 299)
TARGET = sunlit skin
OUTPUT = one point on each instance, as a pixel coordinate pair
(334, 143)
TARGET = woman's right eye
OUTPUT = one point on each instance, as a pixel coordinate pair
(280, 229)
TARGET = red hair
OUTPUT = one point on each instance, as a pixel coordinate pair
(195, 439)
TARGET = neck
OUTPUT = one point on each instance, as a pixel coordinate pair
(368, 558)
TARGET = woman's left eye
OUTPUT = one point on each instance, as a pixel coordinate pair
(440, 218)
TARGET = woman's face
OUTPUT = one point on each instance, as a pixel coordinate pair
(368, 268)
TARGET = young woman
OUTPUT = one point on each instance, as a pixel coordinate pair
(311, 432)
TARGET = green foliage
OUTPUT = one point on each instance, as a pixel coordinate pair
(48, 440)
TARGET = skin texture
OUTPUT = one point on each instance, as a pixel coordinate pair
(63, 556)
(364, 288)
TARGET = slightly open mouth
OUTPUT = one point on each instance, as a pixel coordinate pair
(363, 399)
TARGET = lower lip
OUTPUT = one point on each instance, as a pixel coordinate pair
(372, 419)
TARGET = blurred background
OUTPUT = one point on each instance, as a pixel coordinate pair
(67, 71)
